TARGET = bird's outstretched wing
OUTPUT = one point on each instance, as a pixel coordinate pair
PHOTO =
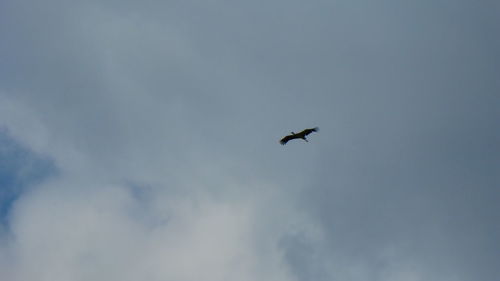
(284, 140)
(308, 131)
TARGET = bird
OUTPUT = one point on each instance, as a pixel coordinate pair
(301, 135)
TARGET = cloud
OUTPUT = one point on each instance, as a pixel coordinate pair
(79, 232)
(163, 120)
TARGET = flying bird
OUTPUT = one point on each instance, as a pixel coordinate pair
(301, 135)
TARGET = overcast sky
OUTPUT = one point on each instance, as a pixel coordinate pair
(139, 140)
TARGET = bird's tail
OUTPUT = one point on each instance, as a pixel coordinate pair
(315, 129)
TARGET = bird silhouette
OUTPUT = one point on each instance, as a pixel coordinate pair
(301, 135)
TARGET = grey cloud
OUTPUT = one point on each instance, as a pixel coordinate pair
(187, 101)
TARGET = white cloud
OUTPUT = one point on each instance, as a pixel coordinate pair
(67, 230)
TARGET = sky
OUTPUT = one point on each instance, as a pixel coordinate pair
(139, 140)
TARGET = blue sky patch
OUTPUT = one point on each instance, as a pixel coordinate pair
(19, 168)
